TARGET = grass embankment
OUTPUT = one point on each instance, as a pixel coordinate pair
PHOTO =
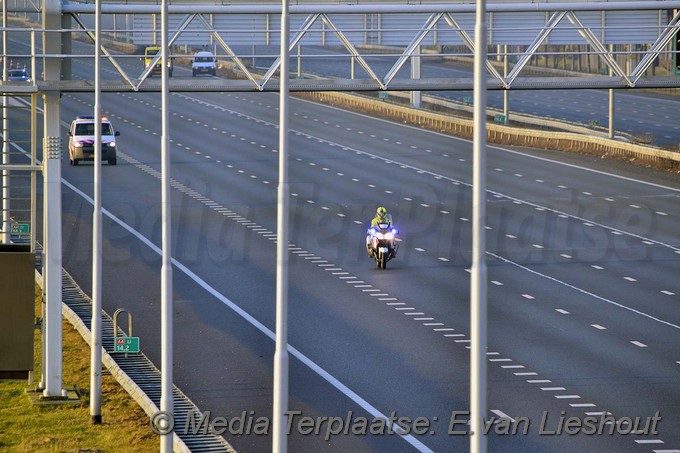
(66, 428)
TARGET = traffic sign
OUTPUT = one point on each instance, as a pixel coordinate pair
(126, 344)
(21, 228)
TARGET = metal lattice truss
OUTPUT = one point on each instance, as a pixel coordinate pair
(436, 22)
(631, 79)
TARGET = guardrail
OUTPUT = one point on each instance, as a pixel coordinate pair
(135, 373)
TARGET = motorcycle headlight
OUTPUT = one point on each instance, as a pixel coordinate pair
(78, 144)
(112, 144)
(389, 236)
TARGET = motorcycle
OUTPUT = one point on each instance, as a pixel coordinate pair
(381, 244)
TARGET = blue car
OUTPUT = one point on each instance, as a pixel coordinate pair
(18, 75)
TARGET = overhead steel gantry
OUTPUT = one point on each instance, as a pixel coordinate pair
(598, 25)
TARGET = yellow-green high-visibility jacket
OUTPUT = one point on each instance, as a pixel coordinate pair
(377, 219)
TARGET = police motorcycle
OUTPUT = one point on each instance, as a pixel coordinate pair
(381, 244)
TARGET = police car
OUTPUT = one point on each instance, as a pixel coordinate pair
(81, 140)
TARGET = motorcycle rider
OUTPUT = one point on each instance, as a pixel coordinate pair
(381, 216)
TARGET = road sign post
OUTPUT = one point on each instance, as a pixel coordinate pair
(126, 344)
(20, 228)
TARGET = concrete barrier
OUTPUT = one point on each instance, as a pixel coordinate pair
(499, 134)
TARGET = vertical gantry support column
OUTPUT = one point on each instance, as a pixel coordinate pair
(52, 149)
(67, 47)
(506, 92)
(5, 227)
(611, 99)
(52, 287)
(415, 74)
(299, 61)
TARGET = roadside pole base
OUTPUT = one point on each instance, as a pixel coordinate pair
(69, 396)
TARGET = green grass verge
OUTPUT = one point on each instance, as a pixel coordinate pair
(66, 428)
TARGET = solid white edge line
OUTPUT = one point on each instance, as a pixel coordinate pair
(257, 324)
(542, 159)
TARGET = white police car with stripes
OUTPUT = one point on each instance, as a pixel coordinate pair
(81, 140)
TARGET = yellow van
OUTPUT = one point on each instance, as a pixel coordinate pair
(149, 54)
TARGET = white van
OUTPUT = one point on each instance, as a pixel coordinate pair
(204, 63)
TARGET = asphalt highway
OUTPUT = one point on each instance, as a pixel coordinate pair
(583, 261)
(647, 116)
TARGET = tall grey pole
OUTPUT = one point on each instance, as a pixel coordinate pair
(299, 61)
(155, 29)
(279, 443)
(34, 176)
(415, 74)
(611, 99)
(52, 149)
(167, 404)
(66, 47)
(34, 188)
(478, 277)
(96, 333)
(506, 93)
(33, 53)
(6, 237)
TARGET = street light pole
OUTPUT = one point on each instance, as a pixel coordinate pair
(279, 444)
(167, 404)
(478, 276)
(96, 334)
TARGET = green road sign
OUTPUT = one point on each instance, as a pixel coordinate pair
(21, 228)
(383, 95)
(499, 118)
(126, 344)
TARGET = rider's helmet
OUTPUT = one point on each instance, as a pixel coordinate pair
(381, 211)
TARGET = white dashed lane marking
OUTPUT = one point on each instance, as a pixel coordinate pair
(311, 256)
